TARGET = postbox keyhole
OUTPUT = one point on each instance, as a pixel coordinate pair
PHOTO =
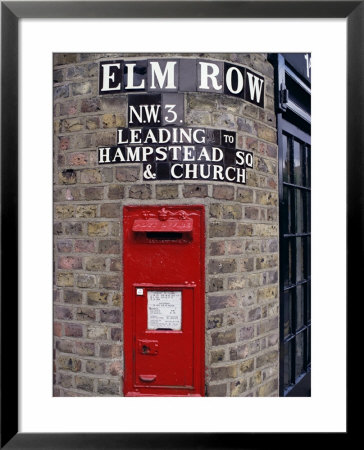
(145, 349)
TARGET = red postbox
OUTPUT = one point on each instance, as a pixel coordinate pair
(163, 257)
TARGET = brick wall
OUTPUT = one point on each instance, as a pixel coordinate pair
(241, 248)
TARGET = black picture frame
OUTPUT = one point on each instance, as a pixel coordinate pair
(11, 12)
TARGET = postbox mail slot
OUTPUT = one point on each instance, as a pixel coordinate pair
(182, 226)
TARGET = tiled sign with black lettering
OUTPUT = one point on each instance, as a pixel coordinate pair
(181, 75)
(156, 135)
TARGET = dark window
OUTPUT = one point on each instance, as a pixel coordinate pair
(293, 96)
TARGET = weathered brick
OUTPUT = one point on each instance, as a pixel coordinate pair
(60, 59)
(73, 228)
(166, 191)
(85, 348)
(84, 246)
(127, 174)
(238, 387)
(116, 334)
(235, 247)
(217, 356)
(115, 265)
(221, 373)
(65, 380)
(72, 125)
(95, 264)
(222, 229)
(92, 123)
(110, 210)
(223, 337)
(107, 387)
(239, 352)
(65, 279)
(97, 228)
(86, 211)
(96, 332)
(97, 298)
(264, 230)
(245, 229)
(90, 176)
(73, 330)
(231, 212)
(273, 339)
(215, 321)
(256, 379)
(268, 388)
(251, 213)
(267, 293)
(195, 190)
(267, 261)
(57, 329)
(141, 191)
(216, 284)
(84, 383)
(90, 105)
(223, 192)
(64, 246)
(110, 351)
(222, 266)
(73, 297)
(113, 120)
(116, 192)
(246, 332)
(85, 314)
(116, 299)
(65, 211)
(60, 92)
(115, 104)
(217, 248)
(64, 346)
(86, 281)
(267, 358)
(222, 301)
(217, 390)
(94, 193)
(267, 198)
(95, 367)
(110, 316)
(254, 314)
(68, 176)
(244, 195)
(194, 117)
(69, 262)
(69, 363)
(267, 325)
(110, 282)
(245, 264)
(62, 313)
(265, 133)
(247, 366)
(81, 88)
(234, 317)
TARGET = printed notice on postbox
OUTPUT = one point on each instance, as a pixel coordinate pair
(164, 310)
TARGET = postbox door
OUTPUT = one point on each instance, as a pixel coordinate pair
(164, 355)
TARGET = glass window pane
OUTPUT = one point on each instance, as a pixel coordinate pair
(286, 158)
(297, 160)
(300, 266)
(300, 214)
(308, 209)
(308, 296)
(300, 310)
(308, 166)
(287, 308)
(287, 367)
(287, 262)
(309, 345)
(286, 210)
(300, 351)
